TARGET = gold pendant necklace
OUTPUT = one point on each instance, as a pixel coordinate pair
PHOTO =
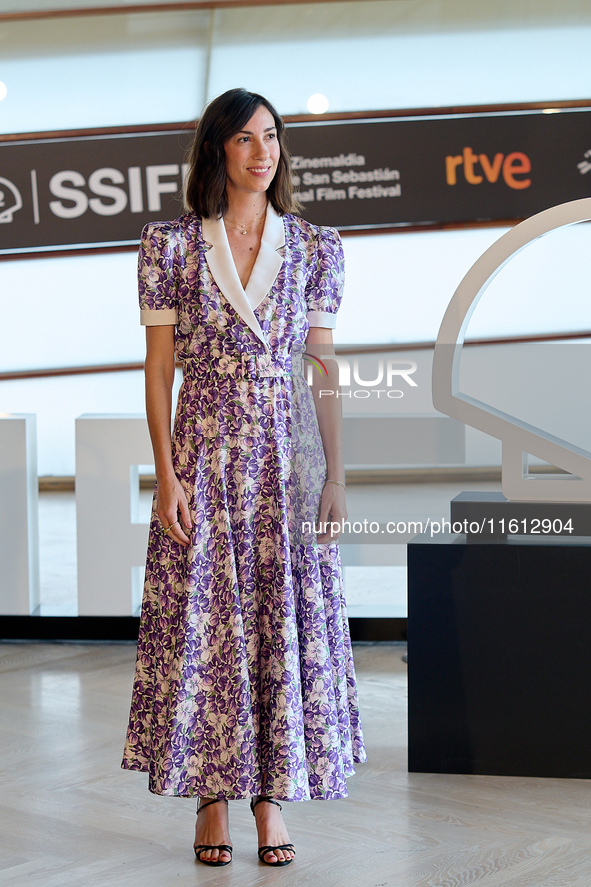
(242, 228)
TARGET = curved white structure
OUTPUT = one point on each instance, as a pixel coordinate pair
(518, 438)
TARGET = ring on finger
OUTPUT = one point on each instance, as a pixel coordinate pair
(166, 529)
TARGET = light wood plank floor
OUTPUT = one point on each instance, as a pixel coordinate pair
(72, 818)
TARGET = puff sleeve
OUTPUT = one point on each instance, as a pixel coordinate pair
(324, 289)
(157, 282)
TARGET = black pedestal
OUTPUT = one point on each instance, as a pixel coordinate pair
(499, 637)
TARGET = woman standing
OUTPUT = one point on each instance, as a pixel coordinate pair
(244, 683)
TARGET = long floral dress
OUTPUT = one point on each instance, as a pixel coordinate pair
(244, 663)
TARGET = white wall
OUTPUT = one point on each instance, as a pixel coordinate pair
(391, 67)
(83, 310)
(102, 71)
(152, 67)
(374, 54)
(69, 312)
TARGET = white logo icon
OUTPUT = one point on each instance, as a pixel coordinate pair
(10, 200)
(585, 165)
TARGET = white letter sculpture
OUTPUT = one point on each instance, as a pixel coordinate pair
(111, 539)
(19, 532)
(519, 439)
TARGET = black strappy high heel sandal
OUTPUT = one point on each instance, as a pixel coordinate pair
(264, 850)
(200, 848)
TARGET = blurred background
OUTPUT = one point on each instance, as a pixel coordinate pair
(69, 65)
(84, 70)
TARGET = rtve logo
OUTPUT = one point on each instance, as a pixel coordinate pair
(515, 164)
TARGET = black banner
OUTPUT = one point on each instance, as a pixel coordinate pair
(442, 169)
(89, 190)
(96, 190)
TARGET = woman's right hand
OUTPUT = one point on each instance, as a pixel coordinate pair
(173, 510)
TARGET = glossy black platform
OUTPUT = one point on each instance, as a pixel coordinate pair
(499, 641)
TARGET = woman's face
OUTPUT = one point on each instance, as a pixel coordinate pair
(252, 154)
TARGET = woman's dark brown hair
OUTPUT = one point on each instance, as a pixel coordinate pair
(205, 192)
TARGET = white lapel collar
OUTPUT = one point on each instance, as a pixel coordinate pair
(221, 264)
(269, 261)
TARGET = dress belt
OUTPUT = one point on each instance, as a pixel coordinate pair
(241, 366)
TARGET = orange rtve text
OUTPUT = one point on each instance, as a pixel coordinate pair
(516, 163)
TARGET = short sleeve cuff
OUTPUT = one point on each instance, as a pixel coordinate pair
(322, 318)
(159, 316)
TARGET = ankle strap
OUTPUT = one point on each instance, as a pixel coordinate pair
(208, 802)
(254, 802)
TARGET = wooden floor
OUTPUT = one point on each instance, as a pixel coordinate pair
(71, 816)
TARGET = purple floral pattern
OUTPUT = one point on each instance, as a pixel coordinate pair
(244, 663)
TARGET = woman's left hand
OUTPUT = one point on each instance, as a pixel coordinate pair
(333, 510)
